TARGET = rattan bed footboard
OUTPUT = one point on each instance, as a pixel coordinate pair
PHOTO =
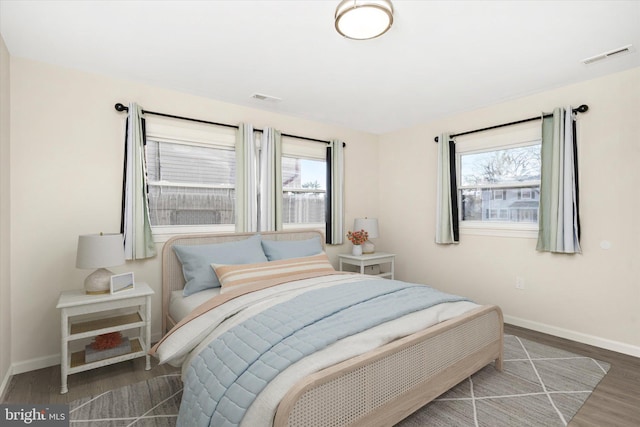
(382, 387)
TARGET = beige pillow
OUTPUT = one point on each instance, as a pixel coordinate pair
(245, 275)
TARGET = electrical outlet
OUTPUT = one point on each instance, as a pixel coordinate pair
(519, 283)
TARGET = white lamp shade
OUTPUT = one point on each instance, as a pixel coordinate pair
(363, 19)
(100, 251)
(370, 225)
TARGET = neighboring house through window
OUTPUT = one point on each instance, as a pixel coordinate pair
(191, 171)
(498, 179)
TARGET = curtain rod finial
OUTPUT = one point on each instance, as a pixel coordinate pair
(436, 139)
(582, 109)
(120, 107)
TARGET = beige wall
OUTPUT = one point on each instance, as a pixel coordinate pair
(593, 297)
(66, 178)
(5, 286)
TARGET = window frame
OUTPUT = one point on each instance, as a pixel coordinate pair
(520, 136)
(301, 149)
(193, 135)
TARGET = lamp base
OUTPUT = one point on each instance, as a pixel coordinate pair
(368, 247)
(98, 282)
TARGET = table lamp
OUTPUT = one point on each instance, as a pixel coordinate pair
(370, 225)
(99, 251)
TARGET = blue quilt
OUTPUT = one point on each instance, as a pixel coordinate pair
(225, 378)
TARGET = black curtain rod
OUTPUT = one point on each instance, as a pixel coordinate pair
(581, 109)
(121, 107)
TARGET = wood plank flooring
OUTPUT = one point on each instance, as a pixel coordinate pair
(614, 403)
(43, 385)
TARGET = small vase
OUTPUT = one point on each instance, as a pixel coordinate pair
(357, 250)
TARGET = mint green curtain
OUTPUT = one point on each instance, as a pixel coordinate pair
(270, 181)
(246, 179)
(136, 226)
(558, 220)
(446, 214)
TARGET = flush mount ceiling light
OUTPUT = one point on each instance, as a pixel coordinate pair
(363, 19)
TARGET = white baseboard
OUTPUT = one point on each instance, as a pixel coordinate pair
(33, 364)
(51, 360)
(595, 341)
(5, 383)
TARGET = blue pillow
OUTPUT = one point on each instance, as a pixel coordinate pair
(196, 261)
(285, 249)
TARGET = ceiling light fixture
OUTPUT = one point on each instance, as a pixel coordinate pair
(363, 19)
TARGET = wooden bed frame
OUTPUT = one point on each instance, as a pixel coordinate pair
(383, 386)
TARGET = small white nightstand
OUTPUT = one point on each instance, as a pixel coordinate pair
(106, 316)
(365, 260)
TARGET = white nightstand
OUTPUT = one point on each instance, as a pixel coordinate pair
(365, 260)
(106, 315)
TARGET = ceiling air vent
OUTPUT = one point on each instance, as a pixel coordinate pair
(267, 98)
(606, 55)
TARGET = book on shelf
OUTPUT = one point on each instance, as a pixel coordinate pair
(93, 355)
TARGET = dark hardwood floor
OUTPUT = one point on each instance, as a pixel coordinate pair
(43, 385)
(614, 403)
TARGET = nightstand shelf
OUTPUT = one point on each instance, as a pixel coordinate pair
(374, 259)
(105, 326)
(106, 312)
(77, 363)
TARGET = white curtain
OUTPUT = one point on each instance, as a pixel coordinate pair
(558, 223)
(446, 203)
(135, 224)
(246, 180)
(270, 181)
(335, 198)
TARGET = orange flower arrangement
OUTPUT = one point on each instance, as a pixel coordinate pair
(358, 237)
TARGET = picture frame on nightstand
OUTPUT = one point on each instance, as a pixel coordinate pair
(122, 283)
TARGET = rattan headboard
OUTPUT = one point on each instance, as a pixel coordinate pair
(172, 277)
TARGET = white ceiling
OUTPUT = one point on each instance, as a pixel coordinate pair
(440, 57)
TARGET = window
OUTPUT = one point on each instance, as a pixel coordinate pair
(304, 183)
(191, 171)
(526, 194)
(499, 183)
(496, 180)
(499, 194)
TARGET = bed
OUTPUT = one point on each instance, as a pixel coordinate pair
(382, 385)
